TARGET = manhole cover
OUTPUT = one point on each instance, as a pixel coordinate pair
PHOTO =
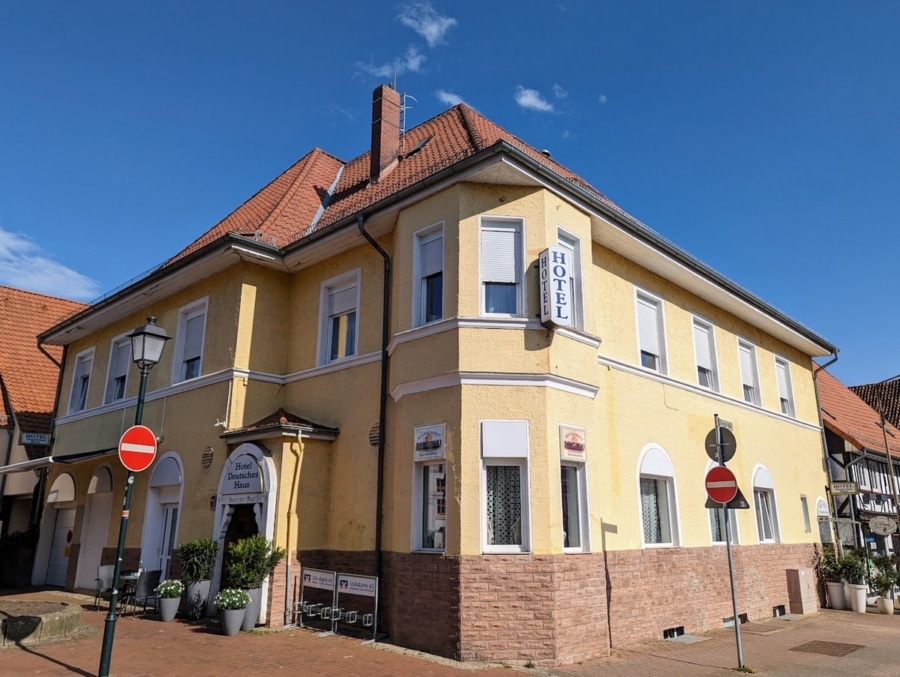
(828, 648)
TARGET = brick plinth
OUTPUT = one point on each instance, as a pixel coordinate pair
(655, 589)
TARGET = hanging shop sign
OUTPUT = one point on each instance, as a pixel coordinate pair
(242, 476)
(35, 439)
(429, 442)
(882, 525)
(572, 445)
(555, 294)
(844, 488)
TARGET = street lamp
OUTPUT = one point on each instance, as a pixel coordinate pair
(147, 344)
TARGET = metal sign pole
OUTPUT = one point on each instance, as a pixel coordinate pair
(727, 512)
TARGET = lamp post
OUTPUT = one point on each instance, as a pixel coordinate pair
(147, 344)
(887, 449)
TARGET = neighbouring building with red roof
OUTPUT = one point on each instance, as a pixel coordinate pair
(28, 378)
(855, 441)
(452, 367)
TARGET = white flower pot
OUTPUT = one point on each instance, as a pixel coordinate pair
(885, 605)
(836, 598)
(858, 595)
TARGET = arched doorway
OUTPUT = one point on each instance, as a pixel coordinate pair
(161, 515)
(245, 504)
(60, 520)
(95, 527)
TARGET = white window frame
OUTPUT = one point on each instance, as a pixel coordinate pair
(572, 243)
(581, 505)
(419, 297)
(732, 520)
(122, 342)
(506, 443)
(189, 312)
(654, 464)
(785, 387)
(419, 505)
(763, 485)
(804, 509)
(336, 284)
(80, 359)
(750, 380)
(705, 328)
(503, 224)
(651, 302)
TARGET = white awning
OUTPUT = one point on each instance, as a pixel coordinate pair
(48, 460)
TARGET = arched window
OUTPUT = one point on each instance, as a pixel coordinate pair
(656, 491)
(824, 519)
(766, 508)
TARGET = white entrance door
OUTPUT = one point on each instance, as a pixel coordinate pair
(167, 545)
(58, 565)
(93, 538)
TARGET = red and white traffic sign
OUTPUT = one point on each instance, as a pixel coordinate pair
(137, 448)
(721, 484)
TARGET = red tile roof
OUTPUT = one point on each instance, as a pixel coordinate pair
(27, 376)
(285, 210)
(844, 413)
(883, 394)
(280, 420)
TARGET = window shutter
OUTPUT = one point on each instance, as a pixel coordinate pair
(501, 255)
(432, 255)
(341, 301)
(193, 337)
(747, 372)
(702, 346)
(784, 391)
(648, 326)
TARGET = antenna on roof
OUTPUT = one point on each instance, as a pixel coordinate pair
(407, 102)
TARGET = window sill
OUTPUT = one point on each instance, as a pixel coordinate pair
(655, 546)
(500, 550)
(428, 551)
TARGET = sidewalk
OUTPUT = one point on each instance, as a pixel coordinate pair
(144, 646)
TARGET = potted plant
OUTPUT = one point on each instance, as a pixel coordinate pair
(853, 570)
(830, 571)
(197, 559)
(250, 561)
(169, 592)
(883, 583)
(232, 605)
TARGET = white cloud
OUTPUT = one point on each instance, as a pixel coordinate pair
(559, 92)
(602, 98)
(24, 265)
(410, 62)
(448, 98)
(532, 100)
(424, 19)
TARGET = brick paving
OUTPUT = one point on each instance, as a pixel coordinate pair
(144, 646)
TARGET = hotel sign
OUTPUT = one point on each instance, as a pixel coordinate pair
(242, 476)
(844, 488)
(555, 294)
(36, 439)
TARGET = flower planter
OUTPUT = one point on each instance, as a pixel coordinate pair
(231, 620)
(252, 615)
(168, 607)
(885, 605)
(196, 599)
(836, 599)
(858, 595)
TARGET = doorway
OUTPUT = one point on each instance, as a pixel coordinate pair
(242, 524)
(95, 528)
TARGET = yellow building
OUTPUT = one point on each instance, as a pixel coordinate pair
(452, 364)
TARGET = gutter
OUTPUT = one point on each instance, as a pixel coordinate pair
(383, 395)
(37, 507)
(816, 369)
(11, 434)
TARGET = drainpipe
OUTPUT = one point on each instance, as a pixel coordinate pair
(819, 367)
(382, 405)
(37, 510)
(291, 517)
(11, 435)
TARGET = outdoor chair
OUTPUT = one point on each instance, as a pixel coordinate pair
(104, 582)
(143, 592)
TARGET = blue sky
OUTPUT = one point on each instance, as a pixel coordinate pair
(760, 136)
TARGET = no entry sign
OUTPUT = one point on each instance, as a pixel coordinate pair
(721, 484)
(137, 448)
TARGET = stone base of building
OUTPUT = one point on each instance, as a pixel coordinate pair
(558, 609)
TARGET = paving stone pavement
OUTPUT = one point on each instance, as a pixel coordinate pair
(145, 646)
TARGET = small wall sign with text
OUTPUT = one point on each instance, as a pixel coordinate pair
(429, 441)
(35, 439)
(242, 476)
(572, 444)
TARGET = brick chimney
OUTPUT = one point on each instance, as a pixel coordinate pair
(385, 131)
